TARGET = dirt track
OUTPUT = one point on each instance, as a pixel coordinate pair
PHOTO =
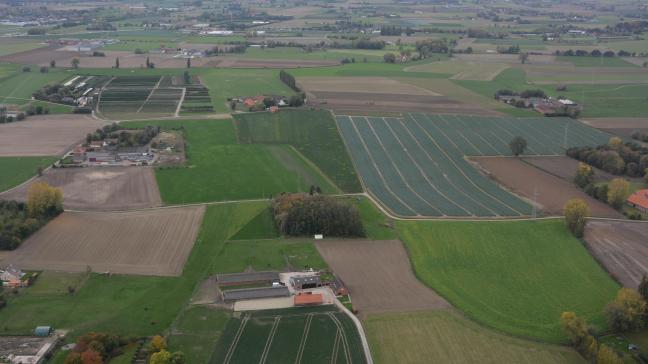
(102, 188)
(44, 134)
(622, 247)
(564, 167)
(379, 276)
(552, 192)
(153, 242)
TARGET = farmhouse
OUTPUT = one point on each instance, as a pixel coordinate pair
(639, 200)
(305, 281)
(11, 277)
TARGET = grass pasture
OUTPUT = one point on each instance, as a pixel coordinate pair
(318, 335)
(517, 277)
(589, 61)
(16, 170)
(219, 168)
(446, 336)
(196, 332)
(312, 133)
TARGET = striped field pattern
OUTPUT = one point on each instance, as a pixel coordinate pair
(416, 166)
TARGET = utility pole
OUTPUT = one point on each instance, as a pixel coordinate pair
(565, 140)
(534, 212)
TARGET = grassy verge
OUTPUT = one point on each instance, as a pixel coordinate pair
(16, 170)
(448, 337)
(517, 277)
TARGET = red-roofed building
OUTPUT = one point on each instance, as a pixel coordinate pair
(639, 200)
(312, 299)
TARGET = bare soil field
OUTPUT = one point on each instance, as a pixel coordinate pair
(227, 62)
(622, 248)
(41, 56)
(378, 94)
(379, 276)
(508, 58)
(151, 242)
(102, 188)
(620, 126)
(552, 192)
(361, 85)
(44, 135)
(132, 60)
(564, 167)
(570, 74)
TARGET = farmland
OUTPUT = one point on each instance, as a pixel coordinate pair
(550, 192)
(129, 305)
(399, 159)
(621, 248)
(219, 168)
(519, 286)
(312, 133)
(153, 242)
(379, 276)
(446, 336)
(16, 170)
(112, 188)
(318, 335)
(44, 135)
(139, 96)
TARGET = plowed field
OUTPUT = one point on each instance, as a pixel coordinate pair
(152, 242)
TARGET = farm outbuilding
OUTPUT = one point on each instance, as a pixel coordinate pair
(305, 281)
(309, 299)
(43, 331)
(639, 200)
(255, 293)
(247, 278)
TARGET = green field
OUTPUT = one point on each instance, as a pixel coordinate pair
(313, 133)
(330, 336)
(196, 332)
(227, 83)
(221, 169)
(18, 87)
(261, 227)
(447, 337)
(517, 277)
(604, 100)
(11, 48)
(589, 61)
(16, 170)
(126, 305)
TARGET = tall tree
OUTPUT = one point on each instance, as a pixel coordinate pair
(618, 192)
(607, 355)
(188, 62)
(75, 63)
(518, 145)
(576, 212)
(627, 311)
(44, 200)
(117, 62)
(523, 57)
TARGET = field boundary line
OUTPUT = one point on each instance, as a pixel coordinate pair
(398, 170)
(302, 343)
(268, 344)
(237, 337)
(361, 332)
(345, 343)
(418, 167)
(316, 168)
(177, 112)
(460, 170)
(157, 85)
(336, 344)
(373, 162)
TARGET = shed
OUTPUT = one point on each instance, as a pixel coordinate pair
(309, 299)
(43, 331)
(305, 281)
(639, 200)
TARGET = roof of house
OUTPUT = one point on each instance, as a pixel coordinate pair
(252, 293)
(247, 277)
(309, 299)
(299, 280)
(639, 198)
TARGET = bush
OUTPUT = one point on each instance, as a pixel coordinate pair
(82, 110)
(303, 214)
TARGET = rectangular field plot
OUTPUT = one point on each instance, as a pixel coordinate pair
(140, 96)
(290, 336)
(415, 165)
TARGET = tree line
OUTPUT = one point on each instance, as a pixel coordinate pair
(19, 220)
(302, 214)
(615, 158)
(289, 80)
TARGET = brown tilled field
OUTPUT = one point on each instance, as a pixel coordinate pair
(552, 192)
(379, 276)
(44, 134)
(227, 62)
(564, 167)
(379, 94)
(622, 247)
(42, 56)
(152, 242)
(100, 188)
(620, 126)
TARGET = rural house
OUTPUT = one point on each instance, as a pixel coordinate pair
(11, 277)
(639, 200)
